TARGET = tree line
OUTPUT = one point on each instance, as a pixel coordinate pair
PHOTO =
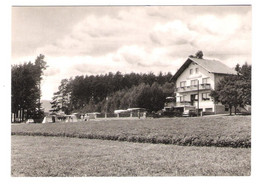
(111, 91)
(26, 89)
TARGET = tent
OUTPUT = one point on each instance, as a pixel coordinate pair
(120, 111)
(47, 119)
(30, 121)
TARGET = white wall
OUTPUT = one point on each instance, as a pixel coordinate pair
(185, 76)
(202, 73)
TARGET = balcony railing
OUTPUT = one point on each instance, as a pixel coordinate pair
(186, 103)
(193, 88)
(179, 104)
(183, 103)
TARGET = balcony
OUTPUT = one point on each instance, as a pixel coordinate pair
(183, 103)
(179, 104)
(193, 88)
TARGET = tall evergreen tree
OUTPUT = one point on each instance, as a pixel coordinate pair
(26, 91)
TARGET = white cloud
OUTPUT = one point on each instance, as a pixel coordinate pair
(213, 24)
(175, 32)
(142, 39)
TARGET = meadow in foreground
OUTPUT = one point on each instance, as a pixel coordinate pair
(62, 156)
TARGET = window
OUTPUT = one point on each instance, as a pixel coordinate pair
(193, 82)
(191, 71)
(196, 70)
(205, 96)
(183, 98)
(205, 80)
(208, 109)
(183, 84)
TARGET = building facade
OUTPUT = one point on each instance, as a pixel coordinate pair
(194, 82)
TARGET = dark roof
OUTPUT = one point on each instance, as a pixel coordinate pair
(212, 66)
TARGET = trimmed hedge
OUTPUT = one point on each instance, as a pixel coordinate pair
(208, 131)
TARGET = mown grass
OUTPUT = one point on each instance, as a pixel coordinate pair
(221, 131)
(61, 156)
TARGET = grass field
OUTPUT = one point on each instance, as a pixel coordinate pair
(221, 131)
(62, 156)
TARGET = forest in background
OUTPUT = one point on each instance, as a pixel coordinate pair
(111, 91)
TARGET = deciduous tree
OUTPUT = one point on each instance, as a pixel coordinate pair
(234, 90)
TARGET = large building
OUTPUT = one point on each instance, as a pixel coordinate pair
(194, 81)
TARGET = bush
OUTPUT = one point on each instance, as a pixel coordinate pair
(210, 131)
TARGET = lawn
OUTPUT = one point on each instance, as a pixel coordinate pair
(63, 156)
(220, 131)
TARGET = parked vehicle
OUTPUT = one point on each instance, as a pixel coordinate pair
(172, 113)
(189, 113)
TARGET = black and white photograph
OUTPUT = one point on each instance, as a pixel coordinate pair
(131, 91)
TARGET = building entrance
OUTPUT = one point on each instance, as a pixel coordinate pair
(193, 98)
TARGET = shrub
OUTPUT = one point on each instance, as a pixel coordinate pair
(220, 131)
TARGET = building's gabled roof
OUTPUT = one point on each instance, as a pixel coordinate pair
(212, 66)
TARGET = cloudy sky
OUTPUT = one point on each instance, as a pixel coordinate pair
(98, 40)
